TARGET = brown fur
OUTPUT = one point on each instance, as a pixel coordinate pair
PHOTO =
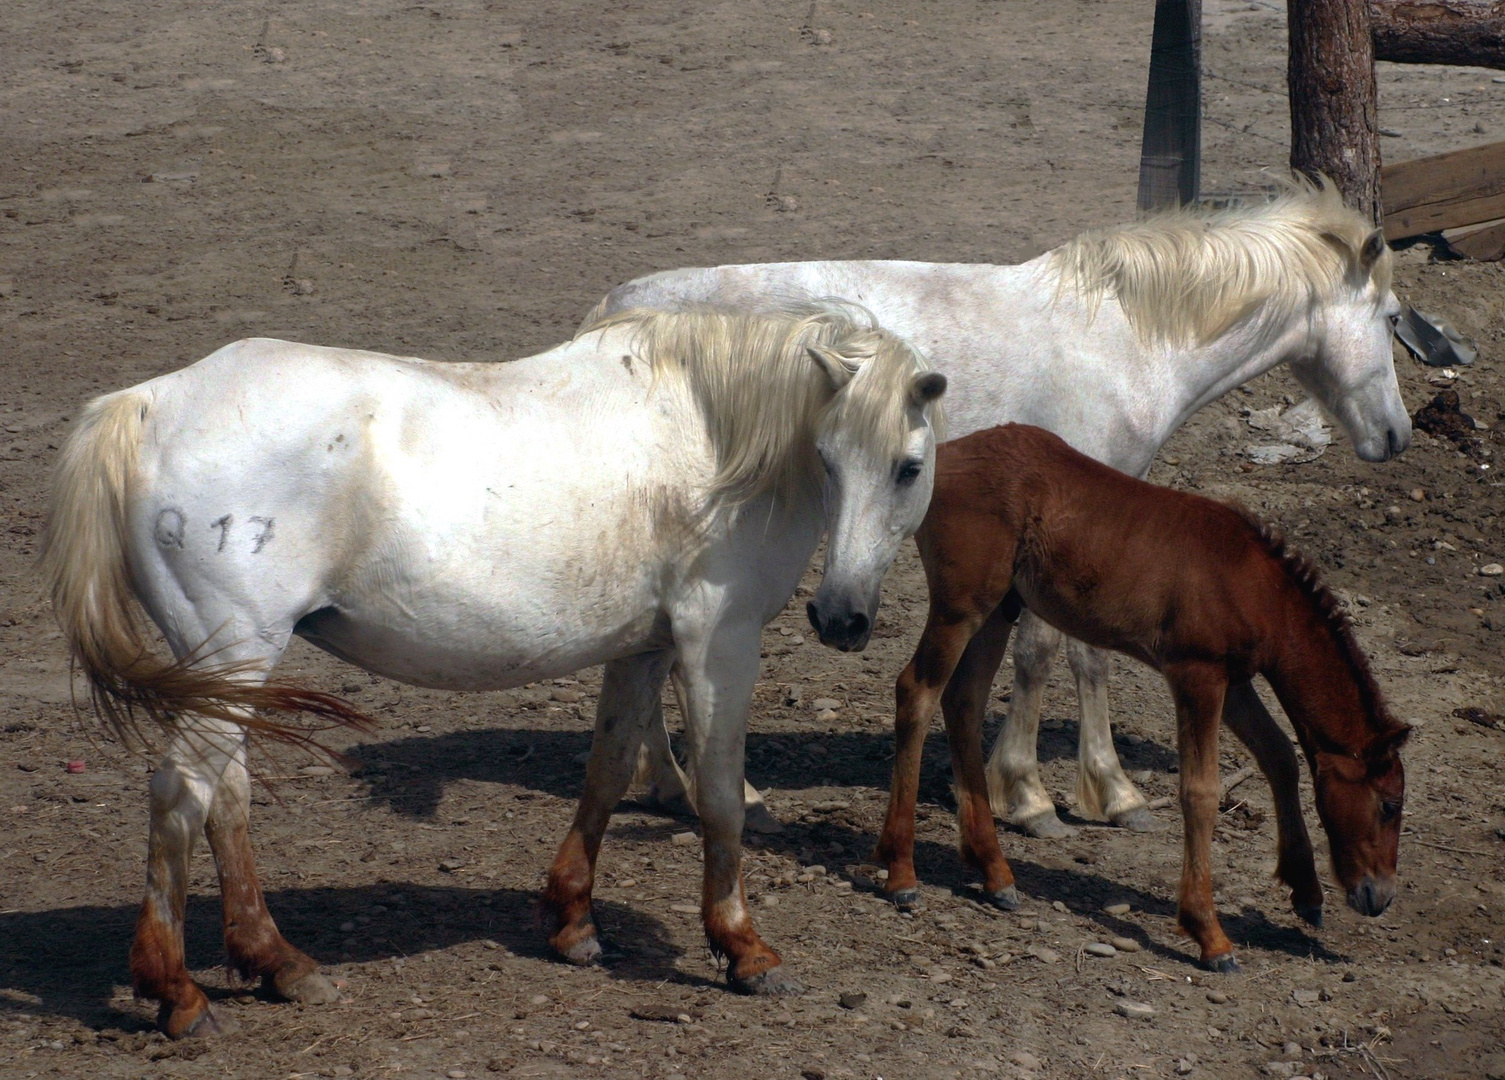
(1203, 592)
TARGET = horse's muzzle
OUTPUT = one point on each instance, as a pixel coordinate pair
(1371, 897)
(846, 631)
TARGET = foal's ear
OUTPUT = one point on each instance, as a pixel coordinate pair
(1387, 746)
(1343, 766)
(927, 387)
(1371, 250)
(832, 364)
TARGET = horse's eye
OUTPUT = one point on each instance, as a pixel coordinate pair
(1389, 810)
(908, 470)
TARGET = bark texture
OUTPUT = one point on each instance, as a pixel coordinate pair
(1466, 32)
(1332, 91)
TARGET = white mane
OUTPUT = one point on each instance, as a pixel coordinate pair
(1187, 276)
(763, 396)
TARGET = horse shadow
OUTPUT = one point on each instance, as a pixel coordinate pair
(68, 961)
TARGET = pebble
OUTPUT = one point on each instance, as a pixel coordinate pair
(685, 909)
(1292, 1050)
(1493, 569)
(308, 770)
(1134, 1010)
(1026, 1061)
(1184, 1067)
(1116, 909)
(1125, 944)
(825, 716)
(449, 866)
(75, 766)
(1029, 922)
(1043, 953)
(683, 839)
(1100, 948)
(1305, 998)
(1278, 1068)
(1217, 997)
(821, 704)
(539, 999)
(853, 1000)
(456, 1074)
(1058, 906)
(1418, 495)
(565, 695)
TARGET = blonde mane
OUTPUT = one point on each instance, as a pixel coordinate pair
(765, 399)
(1188, 276)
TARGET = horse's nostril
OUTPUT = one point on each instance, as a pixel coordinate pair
(812, 616)
(859, 625)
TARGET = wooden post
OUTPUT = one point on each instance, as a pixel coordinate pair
(1466, 32)
(1170, 157)
(1334, 112)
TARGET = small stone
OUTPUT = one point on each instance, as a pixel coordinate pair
(853, 1000)
(1100, 948)
(1292, 1051)
(565, 695)
(449, 866)
(1029, 922)
(1493, 569)
(685, 909)
(1057, 905)
(770, 900)
(1217, 997)
(1278, 1068)
(1125, 944)
(1026, 1061)
(684, 839)
(820, 704)
(1418, 495)
(1116, 909)
(456, 1074)
(793, 693)
(825, 716)
(1305, 998)
(1043, 953)
(539, 999)
(1184, 1067)
(75, 766)
(314, 770)
(1134, 1010)
(487, 943)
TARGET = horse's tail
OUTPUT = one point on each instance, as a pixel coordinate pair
(86, 565)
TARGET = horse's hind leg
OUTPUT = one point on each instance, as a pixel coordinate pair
(253, 943)
(630, 694)
(1102, 788)
(964, 705)
(1014, 786)
(1248, 719)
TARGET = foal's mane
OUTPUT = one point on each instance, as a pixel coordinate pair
(1187, 276)
(765, 398)
(1334, 613)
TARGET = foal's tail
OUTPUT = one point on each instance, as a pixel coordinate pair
(87, 569)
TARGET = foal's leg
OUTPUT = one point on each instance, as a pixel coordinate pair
(1102, 788)
(630, 691)
(964, 705)
(252, 941)
(1248, 719)
(182, 790)
(1017, 793)
(916, 694)
(1199, 690)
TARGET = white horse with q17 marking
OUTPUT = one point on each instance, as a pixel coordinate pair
(644, 496)
(1111, 341)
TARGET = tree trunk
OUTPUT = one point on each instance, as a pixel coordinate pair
(1466, 32)
(1332, 91)
(1170, 155)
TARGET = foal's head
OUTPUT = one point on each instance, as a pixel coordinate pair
(1359, 798)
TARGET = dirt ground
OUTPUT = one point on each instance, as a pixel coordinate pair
(463, 179)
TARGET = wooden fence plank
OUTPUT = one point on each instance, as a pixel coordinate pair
(1170, 154)
(1445, 191)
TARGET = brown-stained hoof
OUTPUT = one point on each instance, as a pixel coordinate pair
(1004, 899)
(1223, 965)
(906, 899)
(1139, 820)
(1046, 826)
(758, 819)
(191, 1022)
(775, 982)
(306, 987)
(1308, 913)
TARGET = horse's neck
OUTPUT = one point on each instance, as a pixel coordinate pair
(1316, 683)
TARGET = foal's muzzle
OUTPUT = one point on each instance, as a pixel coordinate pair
(1371, 897)
(847, 631)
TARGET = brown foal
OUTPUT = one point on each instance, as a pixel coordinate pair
(1200, 591)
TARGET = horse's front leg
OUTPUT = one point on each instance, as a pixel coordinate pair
(253, 943)
(630, 696)
(1248, 719)
(1014, 786)
(1199, 690)
(720, 667)
(182, 790)
(1102, 787)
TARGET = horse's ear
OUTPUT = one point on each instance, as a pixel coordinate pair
(1371, 250)
(1343, 766)
(1387, 746)
(832, 364)
(927, 387)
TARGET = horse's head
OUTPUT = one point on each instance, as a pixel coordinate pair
(1360, 799)
(877, 443)
(1349, 367)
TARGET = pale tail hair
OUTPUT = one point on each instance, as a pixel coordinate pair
(764, 398)
(1188, 276)
(86, 564)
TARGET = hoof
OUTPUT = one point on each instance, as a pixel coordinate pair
(1223, 965)
(1003, 899)
(584, 952)
(676, 805)
(906, 899)
(1139, 820)
(757, 818)
(311, 989)
(775, 982)
(1308, 913)
(1046, 826)
(180, 1024)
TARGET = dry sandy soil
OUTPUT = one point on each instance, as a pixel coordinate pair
(462, 179)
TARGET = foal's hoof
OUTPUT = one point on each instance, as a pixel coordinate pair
(1223, 965)
(1139, 820)
(183, 1024)
(584, 952)
(1004, 899)
(1046, 826)
(1308, 913)
(906, 899)
(757, 818)
(312, 988)
(775, 982)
